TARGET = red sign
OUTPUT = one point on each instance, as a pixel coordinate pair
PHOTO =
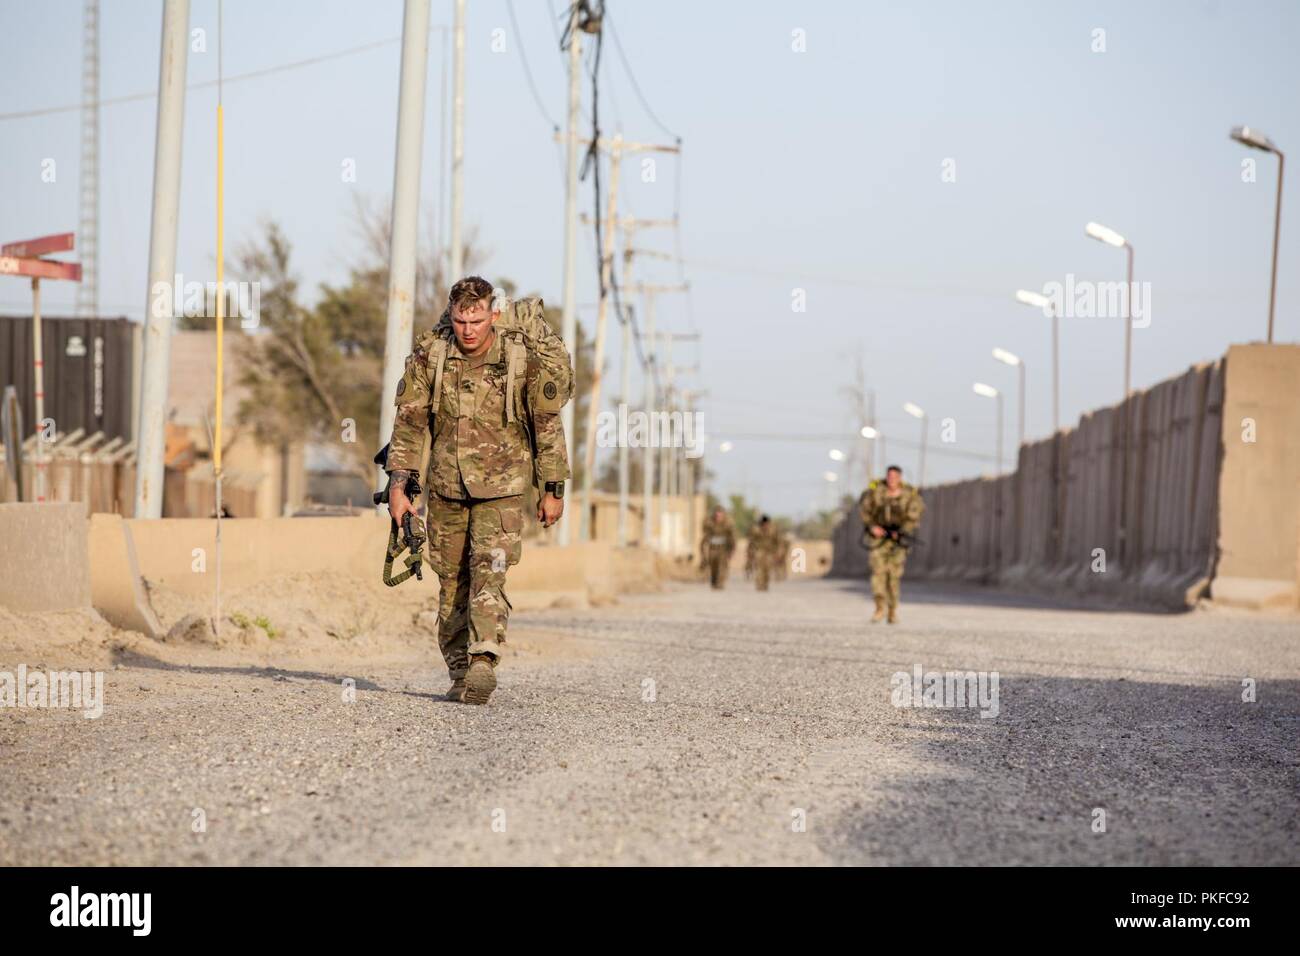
(39, 247)
(40, 268)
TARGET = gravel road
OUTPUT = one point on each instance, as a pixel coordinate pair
(693, 727)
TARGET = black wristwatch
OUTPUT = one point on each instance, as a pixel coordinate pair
(554, 488)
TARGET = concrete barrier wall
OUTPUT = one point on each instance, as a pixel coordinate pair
(1259, 484)
(53, 557)
(1154, 513)
(43, 557)
(261, 549)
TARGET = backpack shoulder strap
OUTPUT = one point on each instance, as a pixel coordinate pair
(516, 361)
(437, 358)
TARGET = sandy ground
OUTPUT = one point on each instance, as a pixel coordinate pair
(689, 726)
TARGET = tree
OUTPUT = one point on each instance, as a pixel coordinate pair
(313, 373)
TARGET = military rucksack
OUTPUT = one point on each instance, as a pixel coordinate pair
(528, 340)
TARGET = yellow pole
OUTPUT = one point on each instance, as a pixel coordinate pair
(221, 294)
(221, 330)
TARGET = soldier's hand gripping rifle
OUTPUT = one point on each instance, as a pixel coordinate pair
(893, 532)
(412, 531)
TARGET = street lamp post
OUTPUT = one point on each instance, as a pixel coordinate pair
(1113, 238)
(917, 412)
(1257, 140)
(988, 391)
(1007, 358)
(1039, 301)
(995, 532)
(871, 434)
(831, 478)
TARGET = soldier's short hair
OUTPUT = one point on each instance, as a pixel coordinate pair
(897, 468)
(469, 291)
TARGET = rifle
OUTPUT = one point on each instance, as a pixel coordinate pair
(412, 530)
(893, 532)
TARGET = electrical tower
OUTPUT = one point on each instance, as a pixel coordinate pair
(88, 231)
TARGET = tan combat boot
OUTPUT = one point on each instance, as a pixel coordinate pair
(893, 615)
(456, 692)
(880, 612)
(481, 680)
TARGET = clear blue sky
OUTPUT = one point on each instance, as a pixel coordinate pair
(818, 170)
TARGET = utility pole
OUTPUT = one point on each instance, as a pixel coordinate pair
(629, 225)
(625, 392)
(88, 230)
(406, 203)
(668, 452)
(689, 398)
(569, 324)
(598, 351)
(675, 456)
(871, 443)
(616, 148)
(457, 140)
(162, 259)
(650, 343)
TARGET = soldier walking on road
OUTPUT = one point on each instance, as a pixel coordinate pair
(890, 513)
(782, 568)
(716, 547)
(489, 382)
(763, 551)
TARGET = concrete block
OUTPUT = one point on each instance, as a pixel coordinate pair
(117, 589)
(44, 559)
(1255, 593)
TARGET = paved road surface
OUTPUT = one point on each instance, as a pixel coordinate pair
(770, 738)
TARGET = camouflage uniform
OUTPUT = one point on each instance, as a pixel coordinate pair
(783, 557)
(887, 556)
(496, 430)
(764, 551)
(716, 545)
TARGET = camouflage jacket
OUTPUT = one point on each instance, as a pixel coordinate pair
(877, 507)
(764, 544)
(719, 537)
(496, 427)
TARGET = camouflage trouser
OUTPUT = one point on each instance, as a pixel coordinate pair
(887, 560)
(718, 567)
(762, 573)
(471, 544)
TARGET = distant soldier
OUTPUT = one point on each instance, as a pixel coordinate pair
(763, 551)
(783, 556)
(492, 392)
(716, 547)
(890, 513)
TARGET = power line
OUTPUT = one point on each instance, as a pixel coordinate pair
(636, 87)
(205, 84)
(841, 437)
(523, 59)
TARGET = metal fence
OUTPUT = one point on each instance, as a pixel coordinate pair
(87, 371)
(94, 469)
